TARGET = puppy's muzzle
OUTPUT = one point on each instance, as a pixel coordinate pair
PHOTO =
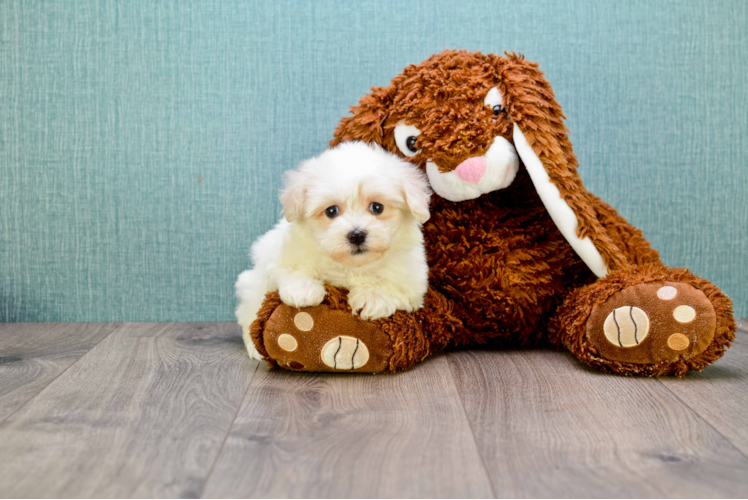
(357, 237)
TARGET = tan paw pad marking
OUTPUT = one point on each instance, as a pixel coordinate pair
(287, 342)
(678, 342)
(667, 292)
(345, 353)
(303, 321)
(626, 326)
(684, 314)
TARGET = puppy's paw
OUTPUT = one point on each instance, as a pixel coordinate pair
(253, 353)
(373, 305)
(302, 293)
(250, 345)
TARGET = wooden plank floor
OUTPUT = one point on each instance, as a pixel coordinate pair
(178, 410)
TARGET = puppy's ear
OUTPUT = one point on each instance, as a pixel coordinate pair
(417, 193)
(369, 116)
(541, 140)
(293, 195)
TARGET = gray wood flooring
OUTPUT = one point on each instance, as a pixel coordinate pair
(178, 410)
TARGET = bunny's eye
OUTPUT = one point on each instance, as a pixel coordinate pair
(332, 211)
(406, 137)
(493, 99)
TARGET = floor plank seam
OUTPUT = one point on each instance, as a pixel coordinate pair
(117, 328)
(470, 425)
(701, 417)
(228, 431)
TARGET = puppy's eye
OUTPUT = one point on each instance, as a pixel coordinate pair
(497, 109)
(376, 208)
(406, 137)
(332, 211)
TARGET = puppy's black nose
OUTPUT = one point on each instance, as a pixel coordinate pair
(357, 237)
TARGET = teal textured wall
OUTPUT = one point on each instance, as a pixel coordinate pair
(142, 142)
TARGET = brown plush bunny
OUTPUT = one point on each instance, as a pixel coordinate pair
(519, 251)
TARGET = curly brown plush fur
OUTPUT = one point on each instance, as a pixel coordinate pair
(502, 273)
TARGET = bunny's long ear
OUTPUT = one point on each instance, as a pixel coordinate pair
(367, 122)
(541, 140)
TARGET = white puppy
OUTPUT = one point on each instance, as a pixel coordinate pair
(353, 217)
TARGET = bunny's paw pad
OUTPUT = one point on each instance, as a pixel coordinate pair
(321, 339)
(652, 323)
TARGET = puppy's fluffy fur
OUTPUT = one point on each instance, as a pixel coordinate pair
(352, 219)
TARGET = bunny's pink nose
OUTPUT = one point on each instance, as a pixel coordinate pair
(472, 169)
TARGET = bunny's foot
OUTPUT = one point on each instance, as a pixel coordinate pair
(648, 320)
(330, 338)
(322, 339)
